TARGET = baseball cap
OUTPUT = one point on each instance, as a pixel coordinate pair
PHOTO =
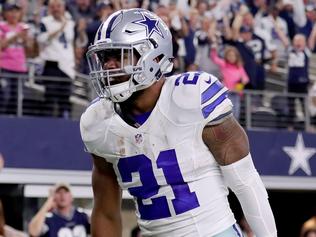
(11, 6)
(59, 186)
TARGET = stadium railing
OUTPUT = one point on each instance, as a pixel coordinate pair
(266, 109)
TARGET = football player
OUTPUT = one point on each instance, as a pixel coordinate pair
(172, 142)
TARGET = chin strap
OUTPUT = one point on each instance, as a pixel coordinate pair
(244, 180)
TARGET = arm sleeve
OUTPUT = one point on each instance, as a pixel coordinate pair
(244, 180)
(197, 97)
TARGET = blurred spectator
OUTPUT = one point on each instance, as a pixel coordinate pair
(56, 41)
(81, 42)
(81, 9)
(260, 10)
(204, 38)
(293, 12)
(309, 228)
(310, 12)
(188, 39)
(136, 232)
(298, 78)
(8, 231)
(311, 27)
(243, 32)
(82, 12)
(202, 7)
(178, 28)
(274, 25)
(312, 104)
(58, 215)
(13, 41)
(103, 10)
(127, 4)
(234, 75)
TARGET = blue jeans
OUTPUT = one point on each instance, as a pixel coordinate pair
(233, 231)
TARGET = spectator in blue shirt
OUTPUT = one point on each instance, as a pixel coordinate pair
(298, 78)
(58, 216)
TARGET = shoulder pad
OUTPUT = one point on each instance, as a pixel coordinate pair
(196, 97)
(92, 122)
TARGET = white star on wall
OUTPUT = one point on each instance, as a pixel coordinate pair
(300, 156)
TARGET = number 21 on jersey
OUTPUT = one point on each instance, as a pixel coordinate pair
(167, 161)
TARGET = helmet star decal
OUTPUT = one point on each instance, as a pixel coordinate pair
(151, 25)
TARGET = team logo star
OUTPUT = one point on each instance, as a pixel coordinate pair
(300, 156)
(151, 25)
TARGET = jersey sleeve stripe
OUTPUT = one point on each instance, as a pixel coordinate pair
(210, 108)
(221, 116)
(211, 91)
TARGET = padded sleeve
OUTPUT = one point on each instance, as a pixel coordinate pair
(198, 97)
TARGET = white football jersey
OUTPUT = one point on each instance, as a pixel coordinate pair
(164, 164)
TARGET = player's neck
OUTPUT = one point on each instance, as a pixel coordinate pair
(145, 100)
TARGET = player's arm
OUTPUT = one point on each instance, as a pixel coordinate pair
(106, 213)
(228, 143)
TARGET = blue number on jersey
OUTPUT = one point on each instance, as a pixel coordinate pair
(62, 39)
(187, 78)
(167, 161)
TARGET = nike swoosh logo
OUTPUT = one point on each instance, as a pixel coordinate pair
(209, 81)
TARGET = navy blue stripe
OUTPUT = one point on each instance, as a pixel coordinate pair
(237, 231)
(209, 108)
(109, 29)
(100, 30)
(211, 91)
(43, 28)
(222, 116)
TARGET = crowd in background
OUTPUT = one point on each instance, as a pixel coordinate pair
(236, 40)
(232, 39)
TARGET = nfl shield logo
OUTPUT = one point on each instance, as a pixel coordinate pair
(139, 138)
